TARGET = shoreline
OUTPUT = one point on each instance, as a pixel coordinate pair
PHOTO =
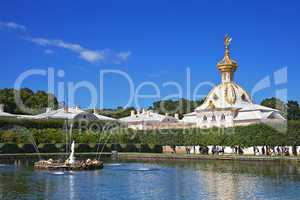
(158, 156)
(185, 157)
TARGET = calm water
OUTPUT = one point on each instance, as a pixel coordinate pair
(161, 180)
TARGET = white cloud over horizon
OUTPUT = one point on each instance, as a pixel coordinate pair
(89, 55)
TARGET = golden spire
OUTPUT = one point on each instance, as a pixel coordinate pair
(227, 42)
(227, 64)
(227, 61)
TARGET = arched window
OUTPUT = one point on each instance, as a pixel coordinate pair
(215, 97)
(213, 118)
(204, 118)
(244, 98)
(222, 117)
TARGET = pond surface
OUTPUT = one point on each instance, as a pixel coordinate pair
(154, 180)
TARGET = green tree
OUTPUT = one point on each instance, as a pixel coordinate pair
(180, 106)
(37, 101)
(293, 110)
(275, 104)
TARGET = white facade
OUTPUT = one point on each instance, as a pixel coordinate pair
(4, 114)
(147, 119)
(228, 104)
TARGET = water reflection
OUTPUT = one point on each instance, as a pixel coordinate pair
(162, 180)
(71, 186)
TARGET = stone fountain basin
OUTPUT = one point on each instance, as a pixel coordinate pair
(77, 165)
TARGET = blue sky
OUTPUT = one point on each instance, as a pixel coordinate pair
(152, 41)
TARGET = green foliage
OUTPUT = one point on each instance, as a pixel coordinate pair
(156, 148)
(293, 110)
(61, 147)
(9, 148)
(130, 147)
(46, 148)
(117, 113)
(27, 148)
(275, 104)
(6, 148)
(180, 106)
(107, 148)
(126, 139)
(85, 148)
(29, 123)
(36, 102)
(10, 136)
(85, 138)
(7, 123)
(47, 136)
(293, 134)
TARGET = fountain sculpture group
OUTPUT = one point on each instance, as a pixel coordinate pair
(69, 164)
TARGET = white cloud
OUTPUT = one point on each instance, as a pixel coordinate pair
(40, 41)
(49, 51)
(70, 46)
(88, 55)
(124, 55)
(57, 43)
(12, 26)
(92, 56)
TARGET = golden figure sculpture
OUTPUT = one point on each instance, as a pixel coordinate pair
(227, 41)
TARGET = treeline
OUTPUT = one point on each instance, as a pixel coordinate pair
(180, 106)
(289, 110)
(40, 100)
(37, 102)
(116, 113)
(246, 136)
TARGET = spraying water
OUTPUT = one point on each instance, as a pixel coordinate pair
(35, 145)
(71, 159)
(32, 140)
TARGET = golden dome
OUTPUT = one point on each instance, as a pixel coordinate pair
(227, 64)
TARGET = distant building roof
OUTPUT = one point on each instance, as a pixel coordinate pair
(5, 114)
(102, 117)
(62, 113)
(147, 116)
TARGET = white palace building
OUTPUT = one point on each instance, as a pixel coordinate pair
(228, 104)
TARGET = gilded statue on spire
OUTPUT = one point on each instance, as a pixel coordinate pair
(227, 64)
(227, 41)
